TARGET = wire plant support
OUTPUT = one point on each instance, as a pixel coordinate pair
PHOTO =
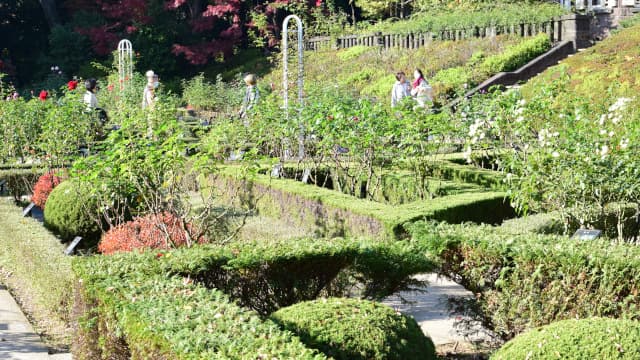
(285, 73)
(125, 62)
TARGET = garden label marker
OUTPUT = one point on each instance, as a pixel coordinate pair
(73, 245)
(585, 234)
(28, 209)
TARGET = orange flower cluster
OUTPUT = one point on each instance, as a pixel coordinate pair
(155, 231)
(43, 188)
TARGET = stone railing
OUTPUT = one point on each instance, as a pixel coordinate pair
(573, 28)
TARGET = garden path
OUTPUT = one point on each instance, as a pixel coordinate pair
(430, 310)
(18, 341)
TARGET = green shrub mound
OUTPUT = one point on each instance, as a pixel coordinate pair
(593, 338)
(67, 212)
(356, 329)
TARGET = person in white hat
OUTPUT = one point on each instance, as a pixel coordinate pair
(148, 95)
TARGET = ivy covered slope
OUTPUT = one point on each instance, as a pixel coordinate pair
(612, 65)
(194, 303)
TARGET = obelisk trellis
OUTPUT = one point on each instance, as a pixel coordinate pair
(285, 73)
(125, 62)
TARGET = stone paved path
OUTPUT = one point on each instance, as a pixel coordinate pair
(430, 309)
(18, 341)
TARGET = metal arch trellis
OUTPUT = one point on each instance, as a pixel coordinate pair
(125, 62)
(285, 73)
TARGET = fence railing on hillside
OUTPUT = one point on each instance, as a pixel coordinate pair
(419, 39)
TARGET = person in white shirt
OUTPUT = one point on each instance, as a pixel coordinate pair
(421, 89)
(401, 89)
(90, 95)
(148, 95)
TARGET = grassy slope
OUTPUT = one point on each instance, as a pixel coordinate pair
(370, 72)
(611, 65)
(36, 271)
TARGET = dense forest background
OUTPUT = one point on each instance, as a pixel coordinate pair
(176, 38)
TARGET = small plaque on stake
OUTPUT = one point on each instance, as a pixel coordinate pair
(73, 245)
(586, 234)
(28, 209)
(305, 175)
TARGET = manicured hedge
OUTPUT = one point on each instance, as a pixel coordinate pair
(142, 317)
(37, 272)
(529, 280)
(545, 223)
(67, 212)
(268, 276)
(594, 338)
(20, 181)
(335, 214)
(396, 186)
(350, 329)
(127, 291)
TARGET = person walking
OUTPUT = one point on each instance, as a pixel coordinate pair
(251, 95)
(401, 89)
(90, 94)
(420, 89)
(149, 93)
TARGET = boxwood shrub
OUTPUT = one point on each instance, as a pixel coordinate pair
(594, 338)
(528, 280)
(352, 329)
(67, 213)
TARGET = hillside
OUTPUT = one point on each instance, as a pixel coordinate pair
(611, 65)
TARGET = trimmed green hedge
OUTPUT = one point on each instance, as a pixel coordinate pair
(594, 338)
(21, 181)
(126, 291)
(516, 56)
(142, 317)
(67, 213)
(529, 280)
(350, 329)
(546, 223)
(37, 272)
(332, 213)
(397, 186)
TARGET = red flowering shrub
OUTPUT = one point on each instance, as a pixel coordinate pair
(43, 188)
(43, 95)
(72, 85)
(155, 231)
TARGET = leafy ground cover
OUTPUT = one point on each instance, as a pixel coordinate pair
(609, 67)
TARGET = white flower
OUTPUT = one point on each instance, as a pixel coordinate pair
(624, 143)
(611, 133)
(602, 119)
(522, 102)
(482, 135)
(555, 154)
(603, 131)
(520, 119)
(555, 134)
(509, 176)
(472, 129)
(616, 119)
(561, 116)
(519, 111)
(619, 104)
(604, 151)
